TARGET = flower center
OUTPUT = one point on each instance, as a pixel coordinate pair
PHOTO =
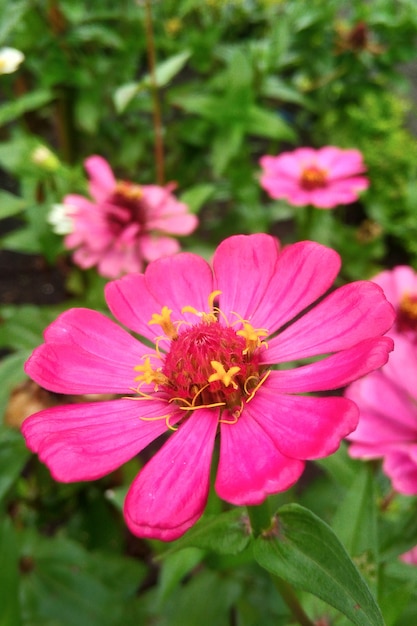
(312, 177)
(207, 364)
(407, 313)
(125, 206)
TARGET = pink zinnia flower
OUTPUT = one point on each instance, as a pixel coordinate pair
(217, 335)
(387, 400)
(400, 287)
(126, 225)
(410, 556)
(323, 178)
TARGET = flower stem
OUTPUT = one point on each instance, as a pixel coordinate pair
(260, 517)
(157, 118)
(293, 603)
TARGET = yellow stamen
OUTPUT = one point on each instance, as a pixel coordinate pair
(226, 377)
(129, 190)
(161, 417)
(150, 375)
(261, 382)
(252, 337)
(210, 317)
(165, 322)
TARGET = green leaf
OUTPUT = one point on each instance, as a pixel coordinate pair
(13, 456)
(10, 204)
(175, 567)
(268, 124)
(67, 585)
(355, 521)
(304, 551)
(164, 73)
(21, 240)
(9, 576)
(196, 196)
(124, 94)
(226, 533)
(11, 374)
(28, 102)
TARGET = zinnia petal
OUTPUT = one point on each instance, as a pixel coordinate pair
(250, 466)
(335, 371)
(346, 317)
(170, 493)
(85, 352)
(87, 441)
(303, 427)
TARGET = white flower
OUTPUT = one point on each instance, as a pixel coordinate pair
(60, 219)
(10, 59)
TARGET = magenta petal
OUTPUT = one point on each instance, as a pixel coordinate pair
(346, 317)
(243, 266)
(170, 493)
(250, 466)
(85, 352)
(102, 180)
(402, 469)
(131, 302)
(303, 273)
(303, 427)
(87, 441)
(335, 371)
(182, 280)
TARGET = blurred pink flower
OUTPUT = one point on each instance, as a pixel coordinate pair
(323, 178)
(126, 225)
(216, 335)
(387, 400)
(400, 287)
(410, 557)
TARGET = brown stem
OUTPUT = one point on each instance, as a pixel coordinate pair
(157, 118)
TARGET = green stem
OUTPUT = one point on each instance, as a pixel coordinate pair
(156, 109)
(260, 517)
(292, 602)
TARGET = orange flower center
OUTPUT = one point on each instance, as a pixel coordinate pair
(312, 177)
(407, 313)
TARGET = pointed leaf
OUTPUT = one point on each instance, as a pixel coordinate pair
(305, 552)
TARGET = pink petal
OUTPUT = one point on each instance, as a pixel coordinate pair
(401, 369)
(334, 371)
(346, 317)
(102, 180)
(250, 466)
(182, 280)
(155, 246)
(340, 163)
(85, 352)
(133, 305)
(402, 470)
(170, 493)
(303, 427)
(303, 273)
(243, 267)
(397, 282)
(87, 441)
(387, 415)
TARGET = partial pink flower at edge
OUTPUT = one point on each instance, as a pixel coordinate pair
(324, 178)
(216, 336)
(400, 287)
(124, 225)
(387, 429)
